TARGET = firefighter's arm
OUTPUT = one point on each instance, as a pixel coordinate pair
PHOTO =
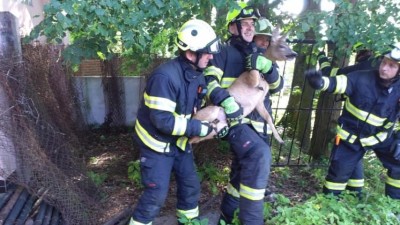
(274, 80)
(220, 96)
(161, 97)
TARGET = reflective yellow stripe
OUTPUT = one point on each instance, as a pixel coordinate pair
(227, 82)
(373, 140)
(362, 115)
(244, 120)
(335, 186)
(251, 193)
(232, 190)
(132, 222)
(393, 182)
(159, 103)
(149, 141)
(344, 135)
(324, 65)
(259, 126)
(388, 125)
(179, 126)
(190, 214)
(355, 183)
(182, 142)
(341, 84)
(334, 72)
(214, 71)
(326, 83)
(274, 85)
(211, 86)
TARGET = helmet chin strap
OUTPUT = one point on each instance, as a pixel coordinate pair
(196, 62)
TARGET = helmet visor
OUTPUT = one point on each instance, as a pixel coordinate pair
(248, 12)
(211, 48)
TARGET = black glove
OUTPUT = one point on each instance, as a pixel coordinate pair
(206, 129)
(314, 78)
(395, 149)
(256, 61)
(222, 133)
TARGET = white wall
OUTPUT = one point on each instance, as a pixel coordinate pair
(92, 98)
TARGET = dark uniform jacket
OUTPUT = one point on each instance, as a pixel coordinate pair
(232, 61)
(370, 109)
(169, 101)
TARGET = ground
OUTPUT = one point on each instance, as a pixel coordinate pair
(108, 152)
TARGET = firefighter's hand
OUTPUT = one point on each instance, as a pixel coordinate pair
(233, 111)
(314, 78)
(257, 61)
(395, 149)
(206, 128)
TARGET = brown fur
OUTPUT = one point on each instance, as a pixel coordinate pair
(249, 90)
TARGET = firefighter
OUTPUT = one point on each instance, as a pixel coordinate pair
(172, 94)
(251, 153)
(367, 122)
(364, 60)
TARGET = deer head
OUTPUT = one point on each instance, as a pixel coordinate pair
(278, 49)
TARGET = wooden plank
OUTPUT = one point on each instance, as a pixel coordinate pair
(55, 218)
(23, 216)
(40, 215)
(9, 205)
(12, 216)
(47, 217)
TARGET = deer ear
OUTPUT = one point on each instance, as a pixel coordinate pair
(275, 33)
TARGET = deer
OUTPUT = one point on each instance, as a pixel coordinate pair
(249, 90)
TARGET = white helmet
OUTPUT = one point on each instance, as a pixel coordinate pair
(197, 36)
(394, 54)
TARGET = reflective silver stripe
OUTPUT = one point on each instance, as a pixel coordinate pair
(227, 82)
(324, 65)
(190, 214)
(251, 193)
(388, 125)
(362, 115)
(180, 126)
(149, 141)
(274, 85)
(344, 135)
(132, 222)
(244, 120)
(355, 183)
(393, 182)
(367, 141)
(232, 190)
(211, 86)
(334, 72)
(259, 126)
(335, 186)
(375, 139)
(159, 103)
(214, 71)
(326, 83)
(341, 84)
(182, 142)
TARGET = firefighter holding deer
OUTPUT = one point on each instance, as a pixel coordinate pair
(251, 153)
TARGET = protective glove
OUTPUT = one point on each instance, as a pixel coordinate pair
(233, 111)
(222, 133)
(314, 78)
(206, 129)
(395, 149)
(256, 61)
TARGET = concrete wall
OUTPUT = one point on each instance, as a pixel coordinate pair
(93, 98)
